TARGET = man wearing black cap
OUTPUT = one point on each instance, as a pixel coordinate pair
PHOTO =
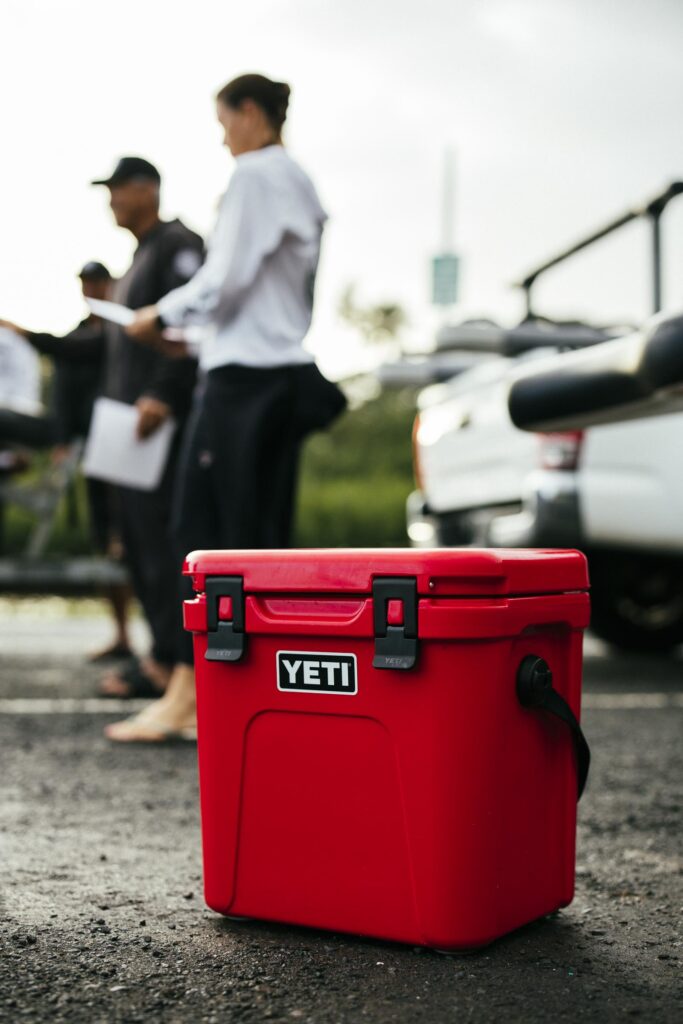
(79, 362)
(168, 254)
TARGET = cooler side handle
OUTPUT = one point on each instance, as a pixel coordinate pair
(535, 690)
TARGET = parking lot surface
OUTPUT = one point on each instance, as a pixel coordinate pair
(101, 910)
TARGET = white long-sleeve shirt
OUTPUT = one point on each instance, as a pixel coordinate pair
(254, 292)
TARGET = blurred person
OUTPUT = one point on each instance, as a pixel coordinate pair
(167, 256)
(20, 378)
(79, 364)
(255, 292)
(79, 359)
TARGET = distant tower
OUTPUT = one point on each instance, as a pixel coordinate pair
(448, 201)
(446, 264)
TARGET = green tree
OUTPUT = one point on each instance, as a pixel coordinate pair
(376, 323)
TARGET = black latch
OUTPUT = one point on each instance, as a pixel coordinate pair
(395, 643)
(226, 638)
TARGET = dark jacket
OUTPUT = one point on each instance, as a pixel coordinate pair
(166, 258)
(79, 359)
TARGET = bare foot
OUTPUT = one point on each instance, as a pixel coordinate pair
(148, 678)
(172, 717)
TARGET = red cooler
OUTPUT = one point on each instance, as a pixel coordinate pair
(388, 739)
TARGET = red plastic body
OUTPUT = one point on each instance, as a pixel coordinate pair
(428, 807)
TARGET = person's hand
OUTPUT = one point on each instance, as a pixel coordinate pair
(172, 349)
(9, 326)
(151, 414)
(145, 327)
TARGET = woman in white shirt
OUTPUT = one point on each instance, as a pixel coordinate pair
(254, 296)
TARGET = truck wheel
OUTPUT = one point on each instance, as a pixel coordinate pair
(637, 601)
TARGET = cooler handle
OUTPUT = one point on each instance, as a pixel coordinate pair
(535, 690)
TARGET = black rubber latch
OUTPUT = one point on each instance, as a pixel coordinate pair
(226, 638)
(395, 646)
(535, 691)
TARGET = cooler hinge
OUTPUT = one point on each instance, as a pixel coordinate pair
(395, 615)
(226, 636)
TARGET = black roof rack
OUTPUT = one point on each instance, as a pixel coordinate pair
(652, 209)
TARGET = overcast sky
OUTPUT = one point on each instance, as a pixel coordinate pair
(562, 113)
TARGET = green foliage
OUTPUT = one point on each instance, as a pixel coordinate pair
(71, 534)
(376, 323)
(353, 484)
(356, 477)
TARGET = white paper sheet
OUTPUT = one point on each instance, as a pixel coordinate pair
(114, 453)
(112, 311)
(123, 316)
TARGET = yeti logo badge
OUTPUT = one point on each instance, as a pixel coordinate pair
(317, 673)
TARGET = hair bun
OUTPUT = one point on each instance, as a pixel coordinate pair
(272, 97)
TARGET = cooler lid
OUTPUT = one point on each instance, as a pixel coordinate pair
(447, 571)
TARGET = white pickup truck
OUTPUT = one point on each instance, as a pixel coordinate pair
(614, 491)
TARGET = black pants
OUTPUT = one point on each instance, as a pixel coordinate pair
(152, 558)
(237, 474)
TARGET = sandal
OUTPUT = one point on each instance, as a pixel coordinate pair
(140, 686)
(116, 652)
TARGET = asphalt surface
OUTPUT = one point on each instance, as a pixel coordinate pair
(101, 911)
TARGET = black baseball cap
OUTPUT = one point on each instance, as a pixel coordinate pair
(130, 167)
(94, 271)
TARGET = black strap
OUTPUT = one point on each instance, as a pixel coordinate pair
(535, 690)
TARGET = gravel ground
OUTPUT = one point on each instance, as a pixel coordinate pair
(102, 918)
